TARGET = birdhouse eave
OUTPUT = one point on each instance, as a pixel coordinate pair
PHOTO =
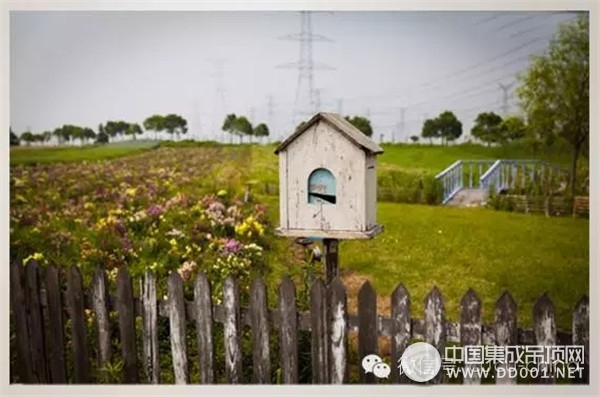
(341, 125)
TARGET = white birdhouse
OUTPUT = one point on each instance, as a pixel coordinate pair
(328, 181)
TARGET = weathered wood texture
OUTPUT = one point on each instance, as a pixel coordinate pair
(42, 354)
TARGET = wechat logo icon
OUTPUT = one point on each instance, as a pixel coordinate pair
(375, 365)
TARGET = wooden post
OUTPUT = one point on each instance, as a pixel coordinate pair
(331, 259)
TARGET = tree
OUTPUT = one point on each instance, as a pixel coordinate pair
(154, 123)
(14, 139)
(362, 123)
(261, 130)
(47, 135)
(175, 124)
(116, 128)
(133, 130)
(89, 134)
(513, 128)
(414, 138)
(487, 128)
(27, 137)
(449, 127)
(554, 91)
(243, 127)
(430, 130)
(228, 124)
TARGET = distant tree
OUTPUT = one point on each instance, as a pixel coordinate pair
(414, 138)
(133, 130)
(154, 123)
(513, 128)
(449, 127)
(430, 130)
(228, 124)
(27, 137)
(175, 124)
(243, 127)
(116, 128)
(261, 130)
(47, 135)
(14, 139)
(554, 91)
(77, 133)
(487, 128)
(361, 123)
(89, 134)
(102, 137)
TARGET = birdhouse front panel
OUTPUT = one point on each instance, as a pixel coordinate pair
(323, 182)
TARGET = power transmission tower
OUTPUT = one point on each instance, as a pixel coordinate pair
(505, 89)
(306, 96)
(218, 108)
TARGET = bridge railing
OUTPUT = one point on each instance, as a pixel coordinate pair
(462, 174)
(501, 174)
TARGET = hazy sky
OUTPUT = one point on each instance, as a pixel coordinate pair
(87, 67)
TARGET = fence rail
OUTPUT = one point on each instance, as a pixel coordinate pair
(38, 301)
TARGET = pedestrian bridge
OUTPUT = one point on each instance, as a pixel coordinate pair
(469, 182)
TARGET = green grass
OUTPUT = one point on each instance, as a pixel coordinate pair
(489, 251)
(433, 159)
(44, 155)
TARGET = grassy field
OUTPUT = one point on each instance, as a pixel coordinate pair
(421, 246)
(44, 155)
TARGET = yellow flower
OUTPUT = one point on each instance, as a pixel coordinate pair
(131, 191)
(38, 256)
(173, 242)
(88, 205)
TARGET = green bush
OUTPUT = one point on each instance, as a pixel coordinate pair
(402, 186)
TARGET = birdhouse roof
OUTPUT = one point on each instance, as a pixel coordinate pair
(341, 125)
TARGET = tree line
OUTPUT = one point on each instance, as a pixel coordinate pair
(488, 128)
(241, 127)
(173, 124)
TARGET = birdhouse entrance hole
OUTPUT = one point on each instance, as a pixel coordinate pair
(321, 187)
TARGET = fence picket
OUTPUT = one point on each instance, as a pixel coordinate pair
(288, 332)
(401, 329)
(581, 334)
(435, 325)
(18, 302)
(260, 332)
(367, 328)
(36, 323)
(338, 307)
(204, 327)
(319, 332)
(233, 351)
(470, 330)
(178, 328)
(127, 325)
(150, 327)
(55, 341)
(505, 334)
(545, 335)
(100, 303)
(78, 327)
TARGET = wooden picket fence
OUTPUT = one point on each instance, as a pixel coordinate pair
(38, 300)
